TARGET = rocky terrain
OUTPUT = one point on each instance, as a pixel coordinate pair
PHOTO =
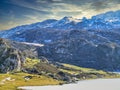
(83, 49)
(13, 55)
(92, 43)
(18, 57)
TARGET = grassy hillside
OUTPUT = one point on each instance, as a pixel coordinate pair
(12, 81)
(87, 73)
(41, 72)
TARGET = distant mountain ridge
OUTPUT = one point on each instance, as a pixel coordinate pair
(92, 43)
(106, 21)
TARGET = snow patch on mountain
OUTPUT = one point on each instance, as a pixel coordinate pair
(33, 44)
(106, 21)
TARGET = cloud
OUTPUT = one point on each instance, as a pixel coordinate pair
(49, 1)
(31, 5)
(99, 5)
(17, 12)
(54, 6)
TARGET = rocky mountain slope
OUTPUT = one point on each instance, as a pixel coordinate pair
(106, 21)
(84, 49)
(13, 55)
(19, 58)
(92, 43)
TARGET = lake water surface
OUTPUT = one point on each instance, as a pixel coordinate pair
(98, 84)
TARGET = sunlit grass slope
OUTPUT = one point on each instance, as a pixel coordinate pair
(12, 81)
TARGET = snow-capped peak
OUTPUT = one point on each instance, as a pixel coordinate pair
(105, 21)
(69, 19)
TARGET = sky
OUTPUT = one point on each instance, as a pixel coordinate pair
(21, 12)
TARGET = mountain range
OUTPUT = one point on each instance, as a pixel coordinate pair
(91, 43)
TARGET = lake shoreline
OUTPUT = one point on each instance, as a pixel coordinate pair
(80, 84)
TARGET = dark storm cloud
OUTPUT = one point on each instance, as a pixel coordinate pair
(99, 5)
(94, 4)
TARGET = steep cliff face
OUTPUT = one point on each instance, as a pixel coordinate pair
(12, 56)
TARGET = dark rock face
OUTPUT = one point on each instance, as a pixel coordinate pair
(105, 57)
(91, 51)
(12, 55)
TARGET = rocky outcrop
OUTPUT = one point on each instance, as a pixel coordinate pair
(13, 55)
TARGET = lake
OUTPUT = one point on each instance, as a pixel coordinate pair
(97, 84)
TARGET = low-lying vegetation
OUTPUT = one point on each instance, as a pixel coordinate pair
(87, 73)
(14, 80)
(37, 72)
